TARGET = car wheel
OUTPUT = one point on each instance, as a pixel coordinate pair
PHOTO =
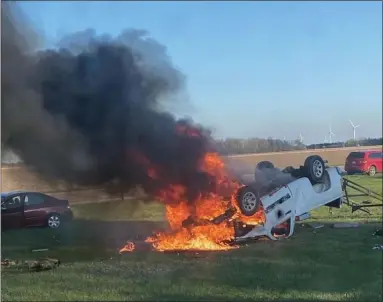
(372, 171)
(53, 221)
(248, 200)
(315, 168)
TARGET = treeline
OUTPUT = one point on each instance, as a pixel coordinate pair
(349, 143)
(232, 146)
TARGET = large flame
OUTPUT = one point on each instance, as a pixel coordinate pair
(204, 235)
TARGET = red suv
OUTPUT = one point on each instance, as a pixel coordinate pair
(369, 162)
(22, 209)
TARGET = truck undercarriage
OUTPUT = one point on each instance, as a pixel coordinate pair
(285, 229)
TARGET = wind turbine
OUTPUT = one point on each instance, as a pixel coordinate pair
(325, 139)
(330, 134)
(301, 138)
(354, 127)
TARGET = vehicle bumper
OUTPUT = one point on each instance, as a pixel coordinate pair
(355, 169)
(67, 215)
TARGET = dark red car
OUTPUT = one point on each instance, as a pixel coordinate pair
(369, 162)
(23, 209)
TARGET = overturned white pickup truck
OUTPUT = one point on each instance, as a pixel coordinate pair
(285, 199)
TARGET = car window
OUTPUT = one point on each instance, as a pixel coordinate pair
(11, 203)
(375, 155)
(356, 155)
(33, 199)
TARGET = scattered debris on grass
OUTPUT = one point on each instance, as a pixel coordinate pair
(40, 250)
(378, 247)
(56, 239)
(43, 264)
(378, 232)
(342, 225)
(316, 225)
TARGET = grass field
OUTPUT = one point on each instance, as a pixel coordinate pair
(325, 264)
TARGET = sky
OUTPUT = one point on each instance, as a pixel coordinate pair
(254, 69)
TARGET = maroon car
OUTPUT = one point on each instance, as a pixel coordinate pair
(23, 209)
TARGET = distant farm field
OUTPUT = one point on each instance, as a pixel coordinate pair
(19, 178)
(336, 156)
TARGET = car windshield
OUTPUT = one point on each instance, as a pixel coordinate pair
(356, 155)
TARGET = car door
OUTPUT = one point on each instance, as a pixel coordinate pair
(375, 159)
(379, 162)
(34, 209)
(12, 212)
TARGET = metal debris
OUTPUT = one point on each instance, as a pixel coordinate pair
(40, 250)
(378, 247)
(343, 225)
(316, 225)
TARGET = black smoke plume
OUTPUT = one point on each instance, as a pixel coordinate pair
(90, 111)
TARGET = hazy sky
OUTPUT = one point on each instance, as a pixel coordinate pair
(255, 68)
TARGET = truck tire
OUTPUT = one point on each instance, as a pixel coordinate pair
(248, 200)
(315, 168)
(264, 165)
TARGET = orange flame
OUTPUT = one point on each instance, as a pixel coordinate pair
(129, 247)
(206, 235)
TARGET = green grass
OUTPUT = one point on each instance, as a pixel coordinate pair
(119, 210)
(344, 213)
(325, 264)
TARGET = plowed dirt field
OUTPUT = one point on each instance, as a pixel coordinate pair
(20, 178)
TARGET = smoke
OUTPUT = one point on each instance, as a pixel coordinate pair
(272, 177)
(264, 178)
(90, 112)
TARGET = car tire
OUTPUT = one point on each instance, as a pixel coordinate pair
(248, 200)
(315, 168)
(264, 165)
(53, 221)
(371, 171)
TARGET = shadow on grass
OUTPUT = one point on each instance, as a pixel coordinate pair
(79, 240)
(181, 297)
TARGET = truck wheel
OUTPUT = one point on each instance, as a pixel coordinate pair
(288, 169)
(372, 171)
(315, 168)
(248, 200)
(264, 165)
